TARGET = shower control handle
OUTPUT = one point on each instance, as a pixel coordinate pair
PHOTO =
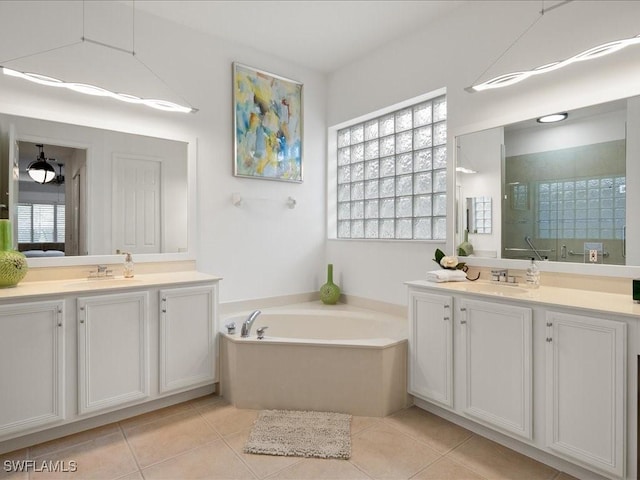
(260, 332)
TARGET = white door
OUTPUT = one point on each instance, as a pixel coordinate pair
(585, 390)
(136, 204)
(113, 350)
(187, 337)
(31, 365)
(431, 347)
(497, 362)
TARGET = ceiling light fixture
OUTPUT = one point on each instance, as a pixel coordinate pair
(40, 170)
(465, 170)
(94, 90)
(554, 117)
(516, 77)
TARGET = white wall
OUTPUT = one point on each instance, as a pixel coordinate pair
(262, 249)
(453, 53)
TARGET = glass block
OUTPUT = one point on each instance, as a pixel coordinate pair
(344, 138)
(569, 186)
(606, 213)
(387, 146)
(371, 149)
(440, 204)
(543, 215)
(357, 153)
(371, 228)
(371, 130)
(440, 133)
(357, 210)
(440, 181)
(344, 211)
(581, 193)
(422, 160)
(422, 137)
(371, 189)
(620, 213)
(581, 184)
(344, 156)
(387, 125)
(404, 228)
(581, 204)
(357, 229)
(569, 233)
(569, 214)
(344, 229)
(388, 187)
(387, 208)
(422, 206)
(404, 142)
(344, 174)
(387, 166)
(422, 114)
(593, 183)
(404, 207)
(404, 120)
(580, 233)
(357, 172)
(422, 228)
(543, 188)
(404, 163)
(372, 169)
(619, 202)
(594, 203)
(567, 195)
(344, 192)
(404, 185)
(357, 134)
(371, 209)
(439, 109)
(439, 157)
(439, 228)
(387, 228)
(582, 224)
(357, 191)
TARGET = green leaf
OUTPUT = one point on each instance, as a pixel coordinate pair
(439, 254)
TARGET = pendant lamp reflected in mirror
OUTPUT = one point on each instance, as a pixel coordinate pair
(40, 170)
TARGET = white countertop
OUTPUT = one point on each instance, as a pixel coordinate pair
(614, 303)
(84, 285)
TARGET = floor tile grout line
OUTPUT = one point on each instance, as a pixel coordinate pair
(136, 425)
(62, 449)
(457, 462)
(133, 453)
(422, 442)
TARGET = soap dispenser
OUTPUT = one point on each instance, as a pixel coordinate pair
(533, 275)
(128, 265)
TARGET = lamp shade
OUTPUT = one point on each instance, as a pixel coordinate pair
(40, 170)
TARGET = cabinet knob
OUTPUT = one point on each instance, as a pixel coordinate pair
(82, 321)
(59, 324)
(549, 339)
(463, 322)
(164, 310)
(446, 318)
(447, 306)
(463, 309)
(549, 324)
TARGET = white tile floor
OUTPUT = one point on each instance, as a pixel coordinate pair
(204, 438)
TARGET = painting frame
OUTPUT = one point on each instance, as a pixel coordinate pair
(267, 125)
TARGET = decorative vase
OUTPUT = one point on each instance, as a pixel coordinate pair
(13, 264)
(465, 248)
(329, 292)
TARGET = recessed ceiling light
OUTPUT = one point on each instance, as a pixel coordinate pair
(556, 117)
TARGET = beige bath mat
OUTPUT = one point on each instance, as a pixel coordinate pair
(301, 434)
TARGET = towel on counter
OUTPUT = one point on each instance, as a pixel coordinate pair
(446, 275)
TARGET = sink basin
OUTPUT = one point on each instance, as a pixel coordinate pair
(107, 282)
(494, 288)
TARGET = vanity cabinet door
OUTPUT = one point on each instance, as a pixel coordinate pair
(585, 390)
(187, 337)
(31, 365)
(497, 362)
(113, 350)
(431, 347)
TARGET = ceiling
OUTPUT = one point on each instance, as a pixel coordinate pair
(323, 35)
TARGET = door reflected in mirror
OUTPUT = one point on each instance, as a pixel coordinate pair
(565, 188)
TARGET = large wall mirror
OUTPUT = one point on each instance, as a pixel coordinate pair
(563, 191)
(110, 192)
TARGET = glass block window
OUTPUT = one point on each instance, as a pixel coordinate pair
(590, 208)
(482, 214)
(40, 223)
(392, 175)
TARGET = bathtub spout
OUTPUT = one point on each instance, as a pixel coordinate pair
(246, 325)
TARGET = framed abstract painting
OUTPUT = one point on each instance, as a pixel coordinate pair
(267, 114)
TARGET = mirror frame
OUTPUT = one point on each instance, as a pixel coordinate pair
(619, 271)
(135, 129)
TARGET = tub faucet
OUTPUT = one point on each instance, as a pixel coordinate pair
(246, 325)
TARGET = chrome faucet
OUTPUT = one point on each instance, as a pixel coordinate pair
(246, 325)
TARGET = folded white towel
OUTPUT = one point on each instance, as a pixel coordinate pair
(445, 275)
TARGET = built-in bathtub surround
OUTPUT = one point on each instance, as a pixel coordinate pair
(336, 358)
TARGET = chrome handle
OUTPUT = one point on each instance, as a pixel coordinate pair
(231, 328)
(260, 332)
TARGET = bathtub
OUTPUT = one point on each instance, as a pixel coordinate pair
(317, 357)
